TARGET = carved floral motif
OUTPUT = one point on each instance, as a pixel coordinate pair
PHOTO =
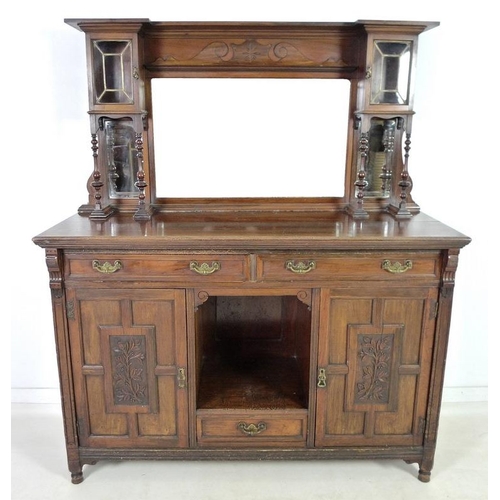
(374, 353)
(128, 357)
(249, 51)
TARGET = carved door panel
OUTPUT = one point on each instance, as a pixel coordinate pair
(129, 361)
(374, 363)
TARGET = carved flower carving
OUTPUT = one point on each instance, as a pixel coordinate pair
(129, 375)
(375, 357)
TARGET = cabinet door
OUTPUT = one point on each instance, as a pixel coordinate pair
(374, 362)
(129, 356)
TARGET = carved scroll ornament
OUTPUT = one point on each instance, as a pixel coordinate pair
(251, 52)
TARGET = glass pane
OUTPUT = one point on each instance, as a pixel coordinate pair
(121, 158)
(380, 157)
(255, 137)
(391, 72)
(113, 72)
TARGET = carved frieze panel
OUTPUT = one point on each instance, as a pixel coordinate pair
(324, 50)
(253, 52)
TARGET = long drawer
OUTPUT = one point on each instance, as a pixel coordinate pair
(178, 267)
(357, 266)
(251, 428)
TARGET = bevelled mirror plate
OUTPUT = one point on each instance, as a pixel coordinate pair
(380, 161)
(121, 158)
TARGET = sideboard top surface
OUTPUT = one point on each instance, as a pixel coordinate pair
(337, 231)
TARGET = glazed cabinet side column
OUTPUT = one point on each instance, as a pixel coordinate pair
(383, 121)
(54, 261)
(118, 119)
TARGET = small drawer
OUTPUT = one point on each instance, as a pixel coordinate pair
(360, 266)
(252, 428)
(180, 268)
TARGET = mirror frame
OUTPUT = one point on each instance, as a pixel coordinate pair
(252, 50)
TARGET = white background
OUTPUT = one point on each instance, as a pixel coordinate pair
(47, 158)
(278, 136)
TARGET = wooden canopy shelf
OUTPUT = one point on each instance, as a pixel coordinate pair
(377, 58)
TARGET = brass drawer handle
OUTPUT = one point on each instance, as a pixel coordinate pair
(301, 267)
(107, 268)
(252, 429)
(397, 267)
(204, 268)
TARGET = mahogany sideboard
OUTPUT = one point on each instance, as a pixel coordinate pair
(301, 328)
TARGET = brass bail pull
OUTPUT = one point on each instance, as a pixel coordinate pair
(300, 267)
(397, 267)
(252, 429)
(107, 267)
(204, 268)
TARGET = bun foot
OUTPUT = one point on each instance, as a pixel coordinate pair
(76, 477)
(424, 476)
